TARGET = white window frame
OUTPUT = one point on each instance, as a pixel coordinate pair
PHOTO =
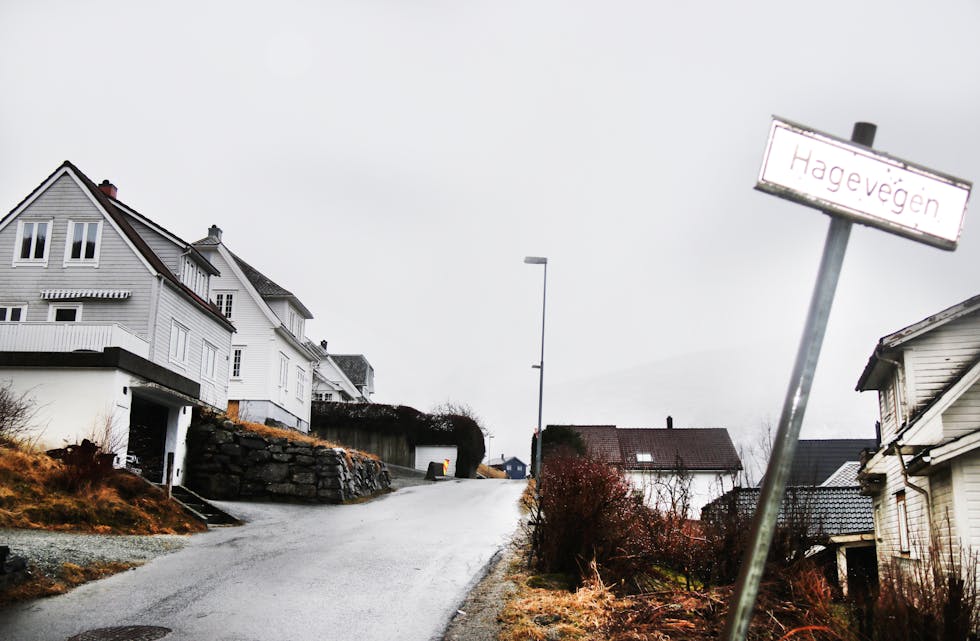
(239, 352)
(902, 514)
(176, 329)
(54, 307)
(300, 383)
(70, 236)
(283, 372)
(225, 301)
(40, 262)
(209, 359)
(9, 308)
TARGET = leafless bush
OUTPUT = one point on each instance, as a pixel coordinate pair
(17, 413)
(933, 598)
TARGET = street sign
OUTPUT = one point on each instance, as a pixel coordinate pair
(867, 187)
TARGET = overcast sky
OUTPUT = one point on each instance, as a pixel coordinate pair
(392, 163)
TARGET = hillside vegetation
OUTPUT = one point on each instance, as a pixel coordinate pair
(38, 492)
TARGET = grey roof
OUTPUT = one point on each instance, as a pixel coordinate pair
(691, 448)
(816, 459)
(354, 366)
(500, 461)
(828, 511)
(845, 476)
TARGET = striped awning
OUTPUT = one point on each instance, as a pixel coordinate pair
(75, 294)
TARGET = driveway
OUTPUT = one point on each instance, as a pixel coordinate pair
(391, 569)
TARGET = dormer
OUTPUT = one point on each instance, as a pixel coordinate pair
(196, 271)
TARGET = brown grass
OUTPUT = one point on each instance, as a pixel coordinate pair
(490, 472)
(33, 495)
(69, 576)
(299, 437)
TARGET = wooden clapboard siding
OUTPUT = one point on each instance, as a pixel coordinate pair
(963, 417)
(174, 305)
(168, 251)
(119, 266)
(938, 357)
(967, 499)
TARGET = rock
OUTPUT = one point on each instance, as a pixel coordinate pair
(231, 449)
(252, 442)
(306, 478)
(282, 458)
(268, 472)
(303, 460)
(258, 456)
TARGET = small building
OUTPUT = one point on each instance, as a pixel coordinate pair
(690, 466)
(358, 371)
(512, 466)
(331, 383)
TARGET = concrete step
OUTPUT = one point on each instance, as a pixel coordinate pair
(202, 508)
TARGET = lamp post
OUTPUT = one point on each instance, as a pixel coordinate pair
(540, 260)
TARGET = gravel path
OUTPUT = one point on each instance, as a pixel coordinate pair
(48, 550)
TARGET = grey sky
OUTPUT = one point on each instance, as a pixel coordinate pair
(393, 162)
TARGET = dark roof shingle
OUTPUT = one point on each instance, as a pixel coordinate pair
(690, 448)
(828, 511)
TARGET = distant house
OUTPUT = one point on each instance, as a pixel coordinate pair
(512, 466)
(359, 371)
(924, 479)
(105, 319)
(656, 459)
(272, 361)
(330, 383)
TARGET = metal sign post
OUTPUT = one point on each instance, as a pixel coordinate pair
(813, 168)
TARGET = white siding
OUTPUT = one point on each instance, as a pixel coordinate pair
(164, 248)
(966, 475)
(939, 356)
(119, 266)
(705, 487)
(943, 510)
(202, 326)
(259, 380)
(75, 404)
(424, 454)
(963, 416)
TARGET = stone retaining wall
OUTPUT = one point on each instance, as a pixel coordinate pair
(225, 461)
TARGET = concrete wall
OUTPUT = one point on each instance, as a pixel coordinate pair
(227, 462)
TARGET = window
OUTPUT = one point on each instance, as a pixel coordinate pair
(644, 457)
(295, 324)
(236, 361)
(207, 360)
(300, 382)
(322, 396)
(903, 523)
(13, 312)
(194, 277)
(283, 371)
(33, 240)
(65, 313)
(82, 243)
(224, 300)
(178, 343)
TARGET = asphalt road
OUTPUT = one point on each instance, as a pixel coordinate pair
(393, 569)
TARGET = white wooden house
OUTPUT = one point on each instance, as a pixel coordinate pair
(105, 320)
(330, 382)
(272, 362)
(925, 477)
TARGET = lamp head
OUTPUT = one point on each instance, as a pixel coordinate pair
(535, 260)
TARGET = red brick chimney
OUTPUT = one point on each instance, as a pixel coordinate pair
(108, 189)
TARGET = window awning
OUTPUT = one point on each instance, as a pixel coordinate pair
(75, 294)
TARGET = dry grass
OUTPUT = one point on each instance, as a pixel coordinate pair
(33, 495)
(299, 437)
(544, 608)
(490, 472)
(68, 577)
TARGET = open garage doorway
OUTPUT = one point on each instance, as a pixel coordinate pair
(148, 438)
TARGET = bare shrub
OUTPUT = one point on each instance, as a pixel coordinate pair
(933, 598)
(17, 413)
(587, 512)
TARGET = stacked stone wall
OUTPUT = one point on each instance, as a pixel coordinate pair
(228, 462)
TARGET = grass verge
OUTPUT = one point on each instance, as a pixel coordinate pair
(490, 473)
(40, 585)
(35, 495)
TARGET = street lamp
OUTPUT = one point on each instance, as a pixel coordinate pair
(540, 260)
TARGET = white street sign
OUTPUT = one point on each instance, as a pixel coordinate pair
(868, 187)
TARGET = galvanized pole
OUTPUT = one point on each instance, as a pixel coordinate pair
(538, 481)
(794, 407)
